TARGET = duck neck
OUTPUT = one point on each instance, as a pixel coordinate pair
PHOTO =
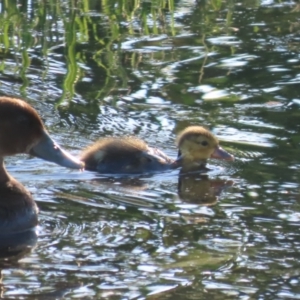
(4, 177)
(188, 165)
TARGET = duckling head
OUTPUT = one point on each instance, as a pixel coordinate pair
(196, 144)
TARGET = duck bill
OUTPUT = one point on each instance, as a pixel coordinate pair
(220, 153)
(48, 150)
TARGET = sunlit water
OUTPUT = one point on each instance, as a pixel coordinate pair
(229, 233)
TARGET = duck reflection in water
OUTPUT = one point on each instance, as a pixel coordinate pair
(22, 131)
(200, 189)
(132, 156)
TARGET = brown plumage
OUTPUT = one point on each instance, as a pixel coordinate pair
(130, 155)
(22, 131)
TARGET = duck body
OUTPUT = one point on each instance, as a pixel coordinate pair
(124, 155)
(18, 211)
(130, 155)
(22, 131)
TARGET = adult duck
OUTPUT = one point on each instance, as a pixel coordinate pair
(22, 131)
(130, 155)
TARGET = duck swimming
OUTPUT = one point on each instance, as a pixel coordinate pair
(22, 131)
(130, 155)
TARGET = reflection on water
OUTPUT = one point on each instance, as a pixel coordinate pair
(137, 191)
(151, 68)
(197, 189)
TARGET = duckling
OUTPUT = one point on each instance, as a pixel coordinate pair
(130, 155)
(22, 131)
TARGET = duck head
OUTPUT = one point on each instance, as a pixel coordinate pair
(196, 144)
(22, 131)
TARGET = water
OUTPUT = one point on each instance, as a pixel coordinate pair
(149, 70)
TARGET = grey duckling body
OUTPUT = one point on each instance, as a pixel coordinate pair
(130, 155)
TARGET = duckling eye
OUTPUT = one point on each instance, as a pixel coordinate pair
(204, 143)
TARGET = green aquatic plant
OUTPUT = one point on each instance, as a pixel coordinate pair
(34, 35)
(93, 45)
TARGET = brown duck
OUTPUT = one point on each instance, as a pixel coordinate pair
(22, 131)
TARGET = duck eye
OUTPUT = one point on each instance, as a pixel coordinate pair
(204, 143)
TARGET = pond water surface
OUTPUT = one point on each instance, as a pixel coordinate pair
(150, 69)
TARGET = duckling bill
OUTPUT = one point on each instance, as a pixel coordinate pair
(130, 155)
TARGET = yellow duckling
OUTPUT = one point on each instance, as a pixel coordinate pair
(130, 155)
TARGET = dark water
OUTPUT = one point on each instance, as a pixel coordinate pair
(150, 69)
